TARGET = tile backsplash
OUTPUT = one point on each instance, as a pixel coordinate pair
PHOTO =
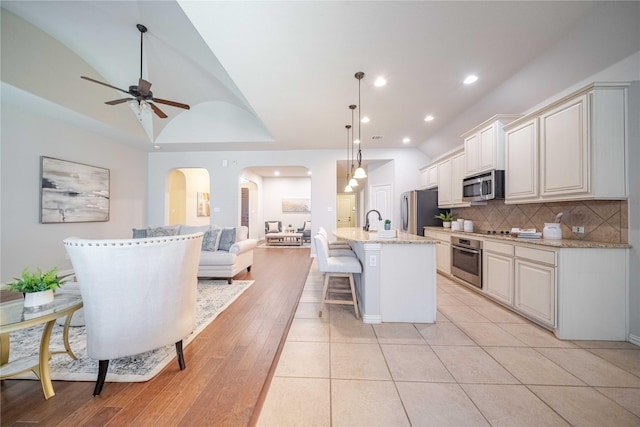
(603, 220)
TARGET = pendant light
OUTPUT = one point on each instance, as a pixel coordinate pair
(359, 173)
(347, 188)
(353, 182)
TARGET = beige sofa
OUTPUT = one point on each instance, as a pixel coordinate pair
(228, 255)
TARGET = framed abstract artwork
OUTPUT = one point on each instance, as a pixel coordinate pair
(204, 207)
(296, 205)
(72, 192)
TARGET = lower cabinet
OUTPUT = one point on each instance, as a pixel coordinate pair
(522, 278)
(443, 250)
(535, 290)
(498, 271)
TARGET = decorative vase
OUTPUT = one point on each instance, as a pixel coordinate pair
(446, 224)
(35, 300)
(387, 226)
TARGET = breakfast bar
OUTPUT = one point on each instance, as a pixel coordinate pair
(398, 280)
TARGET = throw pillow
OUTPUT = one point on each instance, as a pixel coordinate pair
(139, 233)
(192, 229)
(211, 239)
(307, 226)
(227, 239)
(273, 227)
(171, 230)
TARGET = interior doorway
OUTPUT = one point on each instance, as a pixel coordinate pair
(187, 190)
(346, 210)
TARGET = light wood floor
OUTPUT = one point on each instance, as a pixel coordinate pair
(229, 365)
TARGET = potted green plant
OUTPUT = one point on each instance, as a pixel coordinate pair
(37, 287)
(387, 224)
(446, 218)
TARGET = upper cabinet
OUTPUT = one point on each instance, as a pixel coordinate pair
(484, 145)
(450, 175)
(429, 177)
(573, 149)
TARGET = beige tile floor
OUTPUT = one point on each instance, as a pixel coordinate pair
(478, 365)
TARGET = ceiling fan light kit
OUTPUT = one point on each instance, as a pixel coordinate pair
(141, 93)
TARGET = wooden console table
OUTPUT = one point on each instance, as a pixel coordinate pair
(283, 239)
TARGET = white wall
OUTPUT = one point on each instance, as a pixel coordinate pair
(633, 161)
(26, 136)
(321, 163)
(276, 189)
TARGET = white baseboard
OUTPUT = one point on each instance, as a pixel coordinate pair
(372, 318)
(634, 339)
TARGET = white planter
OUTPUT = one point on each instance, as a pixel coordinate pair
(35, 300)
(446, 224)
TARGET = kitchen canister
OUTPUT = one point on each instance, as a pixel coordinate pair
(552, 231)
(468, 226)
(455, 226)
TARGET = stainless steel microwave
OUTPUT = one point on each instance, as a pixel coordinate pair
(484, 186)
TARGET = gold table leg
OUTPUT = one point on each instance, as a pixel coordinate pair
(45, 376)
(4, 349)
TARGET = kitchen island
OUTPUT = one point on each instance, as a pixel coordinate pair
(398, 280)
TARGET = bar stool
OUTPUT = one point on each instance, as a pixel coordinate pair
(336, 266)
(336, 248)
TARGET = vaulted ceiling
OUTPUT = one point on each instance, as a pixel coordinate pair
(280, 75)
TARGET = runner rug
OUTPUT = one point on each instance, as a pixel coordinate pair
(214, 296)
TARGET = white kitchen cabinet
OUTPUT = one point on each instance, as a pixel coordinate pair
(458, 164)
(484, 145)
(443, 250)
(573, 149)
(564, 149)
(521, 173)
(444, 184)
(498, 271)
(429, 177)
(535, 284)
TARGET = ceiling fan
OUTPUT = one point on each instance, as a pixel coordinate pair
(141, 92)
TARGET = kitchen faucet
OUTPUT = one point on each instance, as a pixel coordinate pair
(366, 225)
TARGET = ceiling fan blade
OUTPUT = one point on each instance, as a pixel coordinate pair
(103, 84)
(119, 101)
(172, 103)
(144, 87)
(158, 111)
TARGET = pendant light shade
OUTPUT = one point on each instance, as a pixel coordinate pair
(359, 173)
(348, 189)
(353, 182)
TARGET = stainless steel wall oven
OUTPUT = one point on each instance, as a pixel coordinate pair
(466, 260)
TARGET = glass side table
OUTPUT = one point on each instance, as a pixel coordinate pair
(13, 317)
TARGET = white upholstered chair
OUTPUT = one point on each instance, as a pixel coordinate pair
(138, 294)
(336, 244)
(336, 266)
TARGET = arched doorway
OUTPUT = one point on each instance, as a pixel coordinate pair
(188, 195)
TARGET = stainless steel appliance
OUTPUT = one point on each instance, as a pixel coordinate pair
(417, 210)
(485, 186)
(466, 260)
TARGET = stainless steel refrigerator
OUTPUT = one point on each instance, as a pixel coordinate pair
(417, 209)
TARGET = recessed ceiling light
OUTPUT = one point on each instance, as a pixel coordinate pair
(429, 118)
(308, 172)
(277, 173)
(470, 79)
(356, 141)
(406, 140)
(157, 147)
(366, 119)
(380, 81)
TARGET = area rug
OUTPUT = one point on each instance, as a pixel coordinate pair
(214, 296)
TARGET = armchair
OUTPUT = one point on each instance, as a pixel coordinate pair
(306, 231)
(138, 294)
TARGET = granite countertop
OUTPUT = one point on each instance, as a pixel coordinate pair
(359, 235)
(564, 243)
